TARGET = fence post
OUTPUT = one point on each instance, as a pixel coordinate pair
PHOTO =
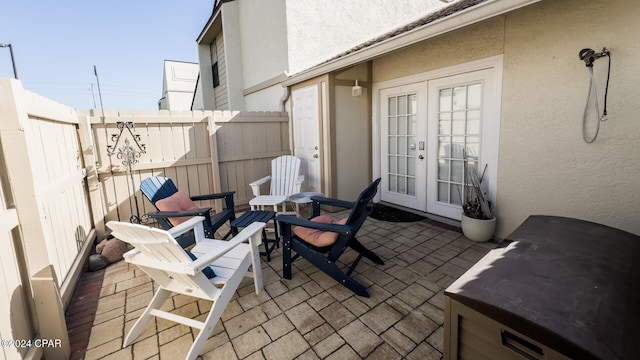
(94, 186)
(54, 336)
(215, 164)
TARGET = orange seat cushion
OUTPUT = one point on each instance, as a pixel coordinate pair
(179, 201)
(317, 237)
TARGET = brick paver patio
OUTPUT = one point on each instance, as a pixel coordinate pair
(308, 317)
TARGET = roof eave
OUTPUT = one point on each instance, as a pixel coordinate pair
(469, 16)
(212, 25)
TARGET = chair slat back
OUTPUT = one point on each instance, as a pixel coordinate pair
(154, 243)
(284, 172)
(157, 188)
(158, 247)
(357, 217)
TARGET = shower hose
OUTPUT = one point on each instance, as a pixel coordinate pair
(594, 92)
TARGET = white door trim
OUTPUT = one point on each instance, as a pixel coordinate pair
(490, 140)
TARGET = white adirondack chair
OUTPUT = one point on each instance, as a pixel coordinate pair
(163, 259)
(285, 181)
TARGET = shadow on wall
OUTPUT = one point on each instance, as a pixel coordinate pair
(20, 319)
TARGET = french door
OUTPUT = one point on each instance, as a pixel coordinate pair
(403, 145)
(428, 130)
(461, 121)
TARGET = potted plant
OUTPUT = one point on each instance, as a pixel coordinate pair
(477, 221)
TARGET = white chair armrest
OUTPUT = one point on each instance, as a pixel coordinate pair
(255, 186)
(130, 254)
(194, 223)
(298, 183)
(251, 233)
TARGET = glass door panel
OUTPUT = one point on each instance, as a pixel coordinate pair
(401, 154)
(463, 124)
(459, 123)
(403, 145)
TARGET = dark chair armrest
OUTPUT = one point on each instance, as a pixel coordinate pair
(227, 196)
(333, 202)
(292, 220)
(221, 195)
(170, 214)
(320, 200)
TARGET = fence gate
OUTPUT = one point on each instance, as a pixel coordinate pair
(17, 323)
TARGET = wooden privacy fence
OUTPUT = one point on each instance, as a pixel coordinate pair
(61, 179)
(46, 223)
(202, 151)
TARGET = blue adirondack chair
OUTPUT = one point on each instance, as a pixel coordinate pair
(322, 241)
(161, 190)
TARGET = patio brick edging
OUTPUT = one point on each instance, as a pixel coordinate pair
(81, 311)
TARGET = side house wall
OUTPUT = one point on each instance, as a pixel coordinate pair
(545, 167)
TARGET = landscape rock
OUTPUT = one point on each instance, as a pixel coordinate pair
(97, 262)
(112, 249)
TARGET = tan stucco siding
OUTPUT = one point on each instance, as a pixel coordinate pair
(464, 45)
(351, 133)
(545, 167)
(318, 30)
(263, 44)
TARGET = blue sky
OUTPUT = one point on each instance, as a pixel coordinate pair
(57, 43)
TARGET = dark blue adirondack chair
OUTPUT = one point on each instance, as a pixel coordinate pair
(325, 256)
(156, 188)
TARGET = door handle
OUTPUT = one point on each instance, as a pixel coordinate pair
(420, 157)
(315, 156)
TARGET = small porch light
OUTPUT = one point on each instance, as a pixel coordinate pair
(356, 90)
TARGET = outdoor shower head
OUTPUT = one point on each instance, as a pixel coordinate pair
(586, 55)
(589, 56)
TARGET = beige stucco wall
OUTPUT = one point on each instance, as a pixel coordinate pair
(544, 165)
(318, 30)
(473, 43)
(263, 40)
(267, 99)
(233, 70)
(351, 136)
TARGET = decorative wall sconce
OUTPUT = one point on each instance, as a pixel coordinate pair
(129, 156)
